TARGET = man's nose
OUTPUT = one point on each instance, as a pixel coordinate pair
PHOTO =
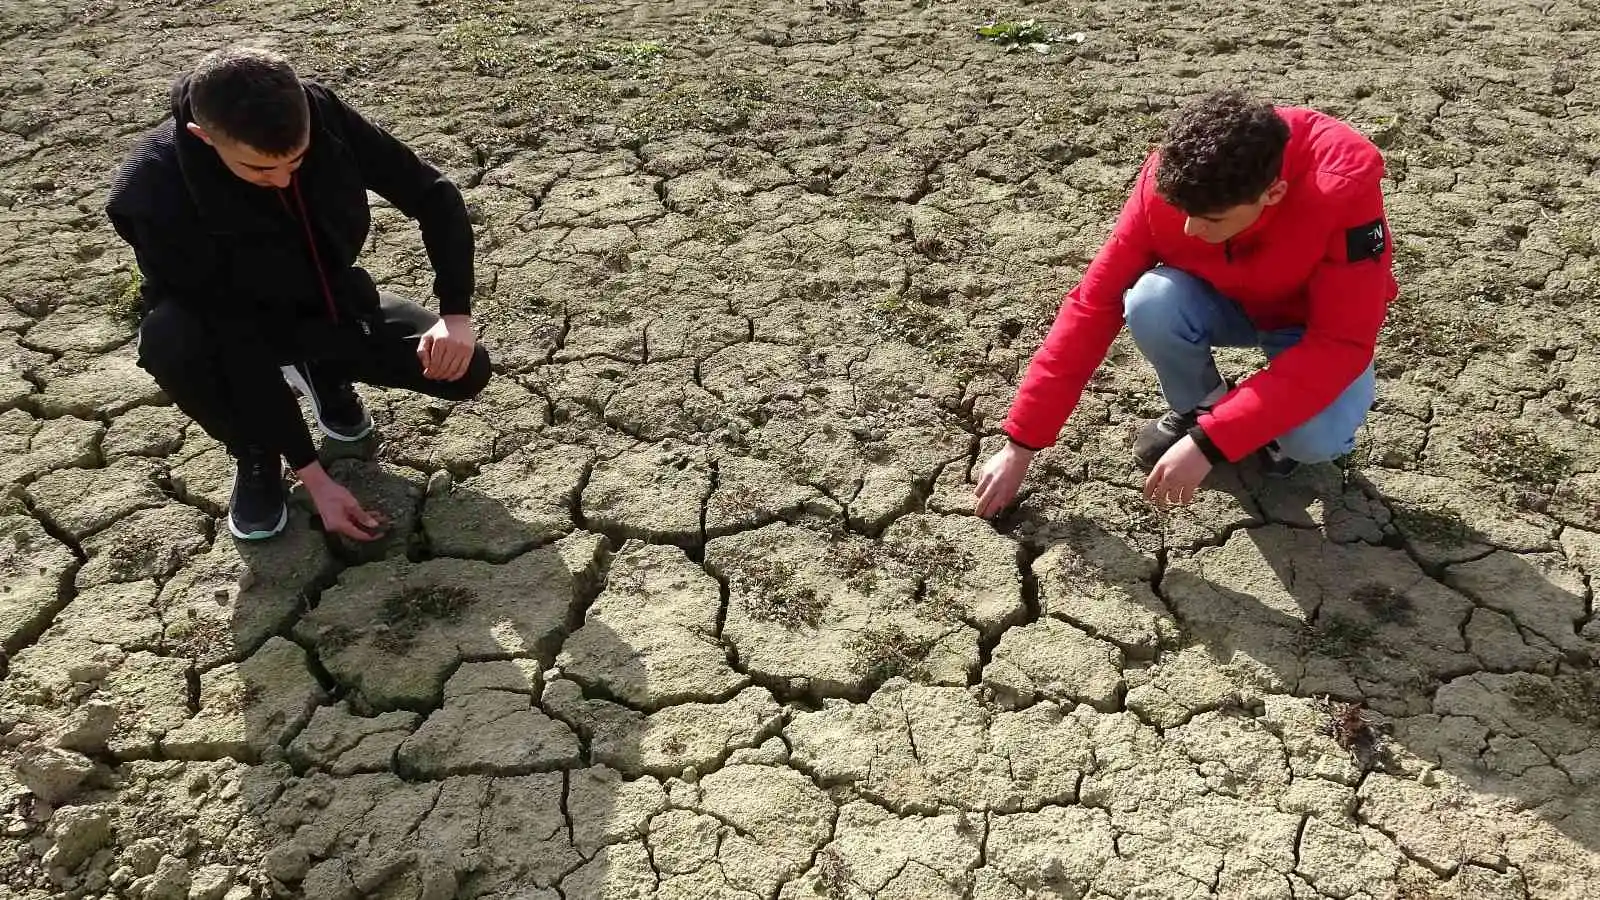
(279, 180)
(1191, 227)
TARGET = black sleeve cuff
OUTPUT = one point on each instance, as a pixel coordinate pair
(455, 306)
(1021, 444)
(298, 451)
(1207, 447)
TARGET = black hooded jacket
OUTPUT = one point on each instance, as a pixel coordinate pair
(238, 255)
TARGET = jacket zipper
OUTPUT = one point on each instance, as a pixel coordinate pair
(1227, 250)
(316, 258)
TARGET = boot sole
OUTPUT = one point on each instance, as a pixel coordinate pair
(259, 534)
(1147, 460)
(292, 375)
(1148, 464)
(1277, 474)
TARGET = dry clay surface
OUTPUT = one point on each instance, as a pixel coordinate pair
(690, 603)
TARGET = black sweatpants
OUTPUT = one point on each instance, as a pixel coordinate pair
(235, 390)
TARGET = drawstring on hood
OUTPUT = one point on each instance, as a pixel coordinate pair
(194, 153)
(311, 240)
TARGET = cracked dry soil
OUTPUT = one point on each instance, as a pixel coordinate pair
(690, 603)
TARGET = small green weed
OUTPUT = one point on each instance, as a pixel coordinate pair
(1384, 603)
(1435, 524)
(407, 614)
(484, 47)
(1517, 455)
(130, 304)
(1574, 696)
(1024, 35)
(1337, 637)
(889, 652)
(769, 593)
(638, 53)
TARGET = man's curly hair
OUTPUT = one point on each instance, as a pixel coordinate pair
(1220, 151)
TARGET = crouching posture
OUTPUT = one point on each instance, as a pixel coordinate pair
(1250, 226)
(246, 211)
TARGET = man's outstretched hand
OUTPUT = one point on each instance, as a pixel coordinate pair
(1178, 475)
(446, 349)
(1000, 477)
(340, 511)
(1173, 482)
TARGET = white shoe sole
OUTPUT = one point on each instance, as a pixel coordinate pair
(236, 531)
(292, 375)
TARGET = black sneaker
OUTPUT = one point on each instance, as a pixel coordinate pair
(334, 403)
(1157, 436)
(256, 510)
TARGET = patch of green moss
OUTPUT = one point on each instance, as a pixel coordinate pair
(1385, 604)
(1338, 637)
(406, 615)
(1517, 455)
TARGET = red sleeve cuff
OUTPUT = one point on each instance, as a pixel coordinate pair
(1013, 439)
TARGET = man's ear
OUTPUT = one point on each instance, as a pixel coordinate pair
(1275, 194)
(200, 133)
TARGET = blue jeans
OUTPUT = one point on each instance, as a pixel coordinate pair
(1176, 319)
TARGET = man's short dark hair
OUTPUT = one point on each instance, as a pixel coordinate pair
(251, 96)
(1220, 151)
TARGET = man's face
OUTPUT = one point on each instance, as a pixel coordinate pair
(252, 165)
(1217, 227)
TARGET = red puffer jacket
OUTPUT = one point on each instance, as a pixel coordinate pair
(1321, 258)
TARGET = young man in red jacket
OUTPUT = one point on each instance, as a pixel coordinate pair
(1250, 226)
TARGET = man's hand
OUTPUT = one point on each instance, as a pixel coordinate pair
(446, 349)
(1000, 478)
(1174, 479)
(340, 511)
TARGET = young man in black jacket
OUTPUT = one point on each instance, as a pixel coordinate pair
(246, 212)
